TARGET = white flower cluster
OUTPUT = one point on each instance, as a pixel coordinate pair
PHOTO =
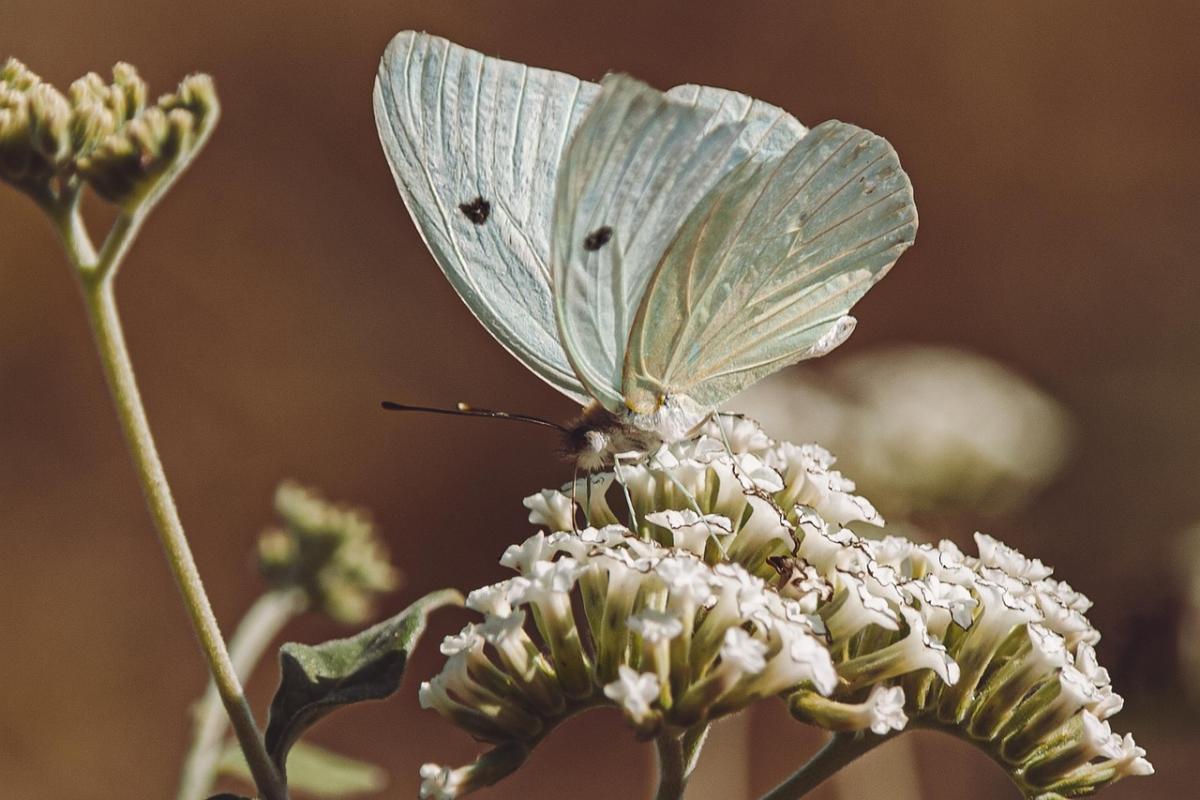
(719, 571)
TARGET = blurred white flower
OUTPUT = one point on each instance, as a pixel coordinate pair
(924, 428)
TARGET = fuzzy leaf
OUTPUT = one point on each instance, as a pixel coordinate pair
(318, 679)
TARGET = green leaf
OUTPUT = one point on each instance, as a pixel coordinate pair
(318, 679)
(313, 771)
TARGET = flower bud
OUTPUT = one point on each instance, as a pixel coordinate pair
(34, 129)
(333, 553)
(127, 163)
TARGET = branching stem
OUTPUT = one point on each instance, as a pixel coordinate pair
(96, 273)
(840, 750)
(672, 767)
(258, 628)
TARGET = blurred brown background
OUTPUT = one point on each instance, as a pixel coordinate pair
(281, 291)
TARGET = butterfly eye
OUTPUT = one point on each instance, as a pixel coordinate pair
(478, 210)
(597, 238)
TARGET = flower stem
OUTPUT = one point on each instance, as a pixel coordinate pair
(258, 628)
(840, 750)
(693, 742)
(672, 767)
(96, 275)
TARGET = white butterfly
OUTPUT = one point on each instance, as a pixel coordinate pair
(648, 254)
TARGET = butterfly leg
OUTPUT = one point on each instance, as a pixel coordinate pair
(574, 500)
(691, 498)
(633, 520)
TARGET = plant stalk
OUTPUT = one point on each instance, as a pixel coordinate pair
(255, 633)
(840, 750)
(96, 275)
(672, 767)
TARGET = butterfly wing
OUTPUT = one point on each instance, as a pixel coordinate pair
(635, 167)
(767, 266)
(474, 144)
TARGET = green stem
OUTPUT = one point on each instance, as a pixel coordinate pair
(257, 630)
(672, 767)
(840, 750)
(96, 278)
(693, 742)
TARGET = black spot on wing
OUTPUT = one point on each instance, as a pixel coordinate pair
(597, 238)
(478, 210)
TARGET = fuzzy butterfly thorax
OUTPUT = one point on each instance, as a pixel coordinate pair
(594, 439)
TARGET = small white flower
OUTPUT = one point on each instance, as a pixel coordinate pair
(686, 578)
(743, 434)
(1001, 609)
(748, 592)
(858, 608)
(894, 551)
(655, 626)
(743, 651)
(1097, 738)
(608, 536)
(754, 475)
(1062, 591)
(699, 452)
(439, 783)
(499, 629)
(550, 509)
(1132, 759)
(495, 599)
(557, 577)
(926, 652)
(801, 581)
(941, 603)
(833, 549)
(993, 553)
(1107, 702)
(799, 657)
(1062, 619)
(764, 531)
(524, 558)
(1048, 647)
(886, 704)
(1087, 663)
(464, 641)
(689, 530)
(634, 692)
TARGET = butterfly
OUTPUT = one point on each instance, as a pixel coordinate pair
(649, 254)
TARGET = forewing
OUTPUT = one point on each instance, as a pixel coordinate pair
(474, 144)
(767, 266)
(637, 165)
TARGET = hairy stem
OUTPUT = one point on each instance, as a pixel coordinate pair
(693, 742)
(96, 275)
(258, 628)
(840, 750)
(672, 768)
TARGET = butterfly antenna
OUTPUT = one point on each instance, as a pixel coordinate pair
(464, 410)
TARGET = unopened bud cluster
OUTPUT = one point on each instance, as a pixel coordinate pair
(719, 571)
(100, 133)
(334, 554)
